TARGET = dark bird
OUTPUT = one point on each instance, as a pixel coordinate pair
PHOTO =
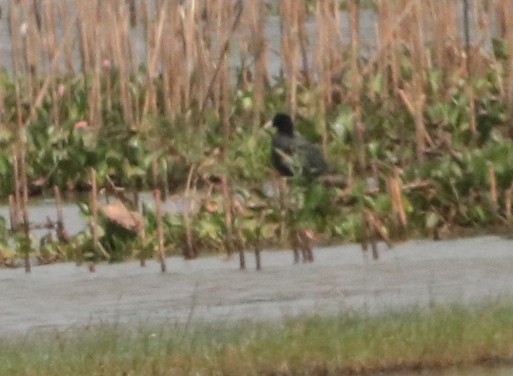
(292, 154)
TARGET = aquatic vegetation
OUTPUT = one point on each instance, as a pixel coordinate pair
(419, 126)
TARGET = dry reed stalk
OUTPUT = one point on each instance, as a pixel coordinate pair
(413, 34)
(62, 234)
(14, 214)
(85, 20)
(328, 49)
(415, 107)
(50, 39)
(466, 32)
(383, 27)
(61, 231)
(190, 20)
(365, 232)
(290, 49)
(323, 18)
(507, 17)
(437, 28)
(16, 58)
(356, 81)
(507, 202)
(302, 37)
(420, 53)
(392, 38)
(205, 53)
(39, 99)
(94, 103)
(215, 87)
(294, 243)
(376, 230)
(30, 43)
(166, 60)
(450, 39)
(418, 116)
(121, 52)
(394, 186)
(259, 50)
(24, 207)
(228, 215)
(282, 189)
(142, 234)
(242, 245)
(222, 60)
(17, 181)
(227, 34)
(133, 12)
(492, 180)
(483, 16)
(305, 241)
(258, 255)
(94, 220)
(160, 230)
(150, 103)
(370, 234)
(63, 11)
(189, 252)
(225, 89)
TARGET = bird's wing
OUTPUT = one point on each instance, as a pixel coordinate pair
(281, 153)
(310, 156)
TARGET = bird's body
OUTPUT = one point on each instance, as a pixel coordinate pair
(293, 154)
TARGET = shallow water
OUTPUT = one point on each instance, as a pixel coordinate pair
(415, 273)
(41, 208)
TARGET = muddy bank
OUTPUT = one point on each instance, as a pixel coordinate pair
(342, 278)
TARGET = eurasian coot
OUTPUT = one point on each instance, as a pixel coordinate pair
(292, 154)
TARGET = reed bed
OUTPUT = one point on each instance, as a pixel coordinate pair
(176, 93)
(188, 49)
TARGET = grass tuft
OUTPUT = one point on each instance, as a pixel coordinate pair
(348, 343)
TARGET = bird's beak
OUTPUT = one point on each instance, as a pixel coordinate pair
(268, 124)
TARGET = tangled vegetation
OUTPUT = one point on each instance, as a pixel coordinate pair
(421, 131)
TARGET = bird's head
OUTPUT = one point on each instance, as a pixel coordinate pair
(283, 123)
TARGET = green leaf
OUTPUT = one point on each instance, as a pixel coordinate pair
(432, 220)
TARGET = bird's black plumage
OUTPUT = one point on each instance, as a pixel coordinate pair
(291, 153)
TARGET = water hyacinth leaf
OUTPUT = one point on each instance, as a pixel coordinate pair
(376, 84)
(208, 229)
(250, 225)
(433, 219)
(434, 78)
(247, 103)
(103, 251)
(317, 197)
(383, 203)
(480, 213)
(6, 136)
(343, 126)
(131, 171)
(374, 148)
(500, 48)
(268, 230)
(5, 165)
(84, 208)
